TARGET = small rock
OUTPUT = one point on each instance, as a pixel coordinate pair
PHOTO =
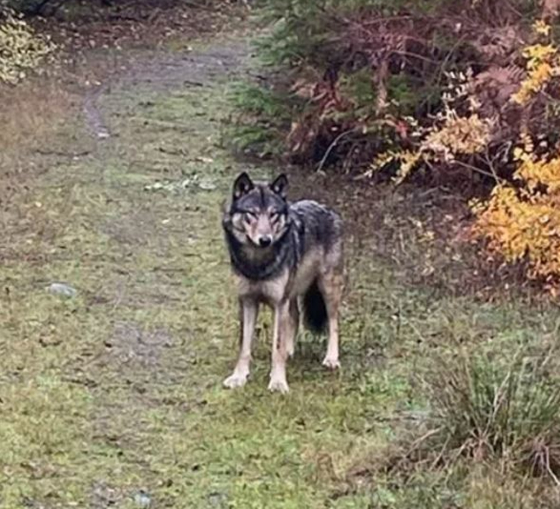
(217, 499)
(186, 183)
(153, 187)
(142, 499)
(203, 159)
(62, 290)
(207, 186)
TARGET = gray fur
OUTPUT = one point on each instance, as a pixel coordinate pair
(283, 253)
(310, 225)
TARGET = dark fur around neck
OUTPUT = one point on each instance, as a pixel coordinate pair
(284, 253)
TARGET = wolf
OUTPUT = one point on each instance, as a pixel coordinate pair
(288, 256)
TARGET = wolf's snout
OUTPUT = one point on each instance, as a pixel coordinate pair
(265, 241)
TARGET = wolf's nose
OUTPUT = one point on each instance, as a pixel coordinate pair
(265, 241)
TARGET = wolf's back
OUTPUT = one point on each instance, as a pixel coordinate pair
(322, 226)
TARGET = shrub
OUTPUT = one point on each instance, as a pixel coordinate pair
(21, 49)
(368, 66)
(523, 224)
(492, 410)
(265, 114)
(521, 219)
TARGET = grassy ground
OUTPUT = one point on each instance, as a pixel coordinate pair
(114, 398)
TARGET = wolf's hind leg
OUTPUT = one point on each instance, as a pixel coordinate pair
(331, 285)
(249, 314)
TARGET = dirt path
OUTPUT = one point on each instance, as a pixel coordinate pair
(113, 398)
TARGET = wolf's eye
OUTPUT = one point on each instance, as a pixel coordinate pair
(276, 215)
(250, 215)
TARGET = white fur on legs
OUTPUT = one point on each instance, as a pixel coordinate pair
(235, 381)
(278, 382)
(331, 358)
(278, 385)
(331, 363)
(241, 372)
(331, 287)
(292, 328)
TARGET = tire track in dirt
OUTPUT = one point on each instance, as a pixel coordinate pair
(167, 70)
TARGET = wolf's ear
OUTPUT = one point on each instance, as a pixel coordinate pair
(280, 185)
(242, 185)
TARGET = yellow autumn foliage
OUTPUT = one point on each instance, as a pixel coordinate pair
(542, 63)
(521, 220)
(21, 49)
(454, 136)
(523, 224)
(458, 136)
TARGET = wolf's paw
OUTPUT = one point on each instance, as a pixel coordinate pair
(235, 380)
(278, 385)
(331, 363)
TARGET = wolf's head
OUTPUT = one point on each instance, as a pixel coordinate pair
(258, 216)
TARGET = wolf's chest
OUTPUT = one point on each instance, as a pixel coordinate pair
(271, 291)
(290, 284)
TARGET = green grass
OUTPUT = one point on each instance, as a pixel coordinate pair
(119, 390)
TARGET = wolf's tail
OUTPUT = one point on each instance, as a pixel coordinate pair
(314, 309)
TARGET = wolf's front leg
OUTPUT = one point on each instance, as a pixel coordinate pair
(249, 313)
(278, 380)
(292, 329)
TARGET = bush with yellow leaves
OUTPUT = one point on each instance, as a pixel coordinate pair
(21, 49)
(451, 138)
(521, 219)
(522, 223)
(483, 115)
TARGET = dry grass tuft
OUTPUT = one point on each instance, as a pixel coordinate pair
(30, 115)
